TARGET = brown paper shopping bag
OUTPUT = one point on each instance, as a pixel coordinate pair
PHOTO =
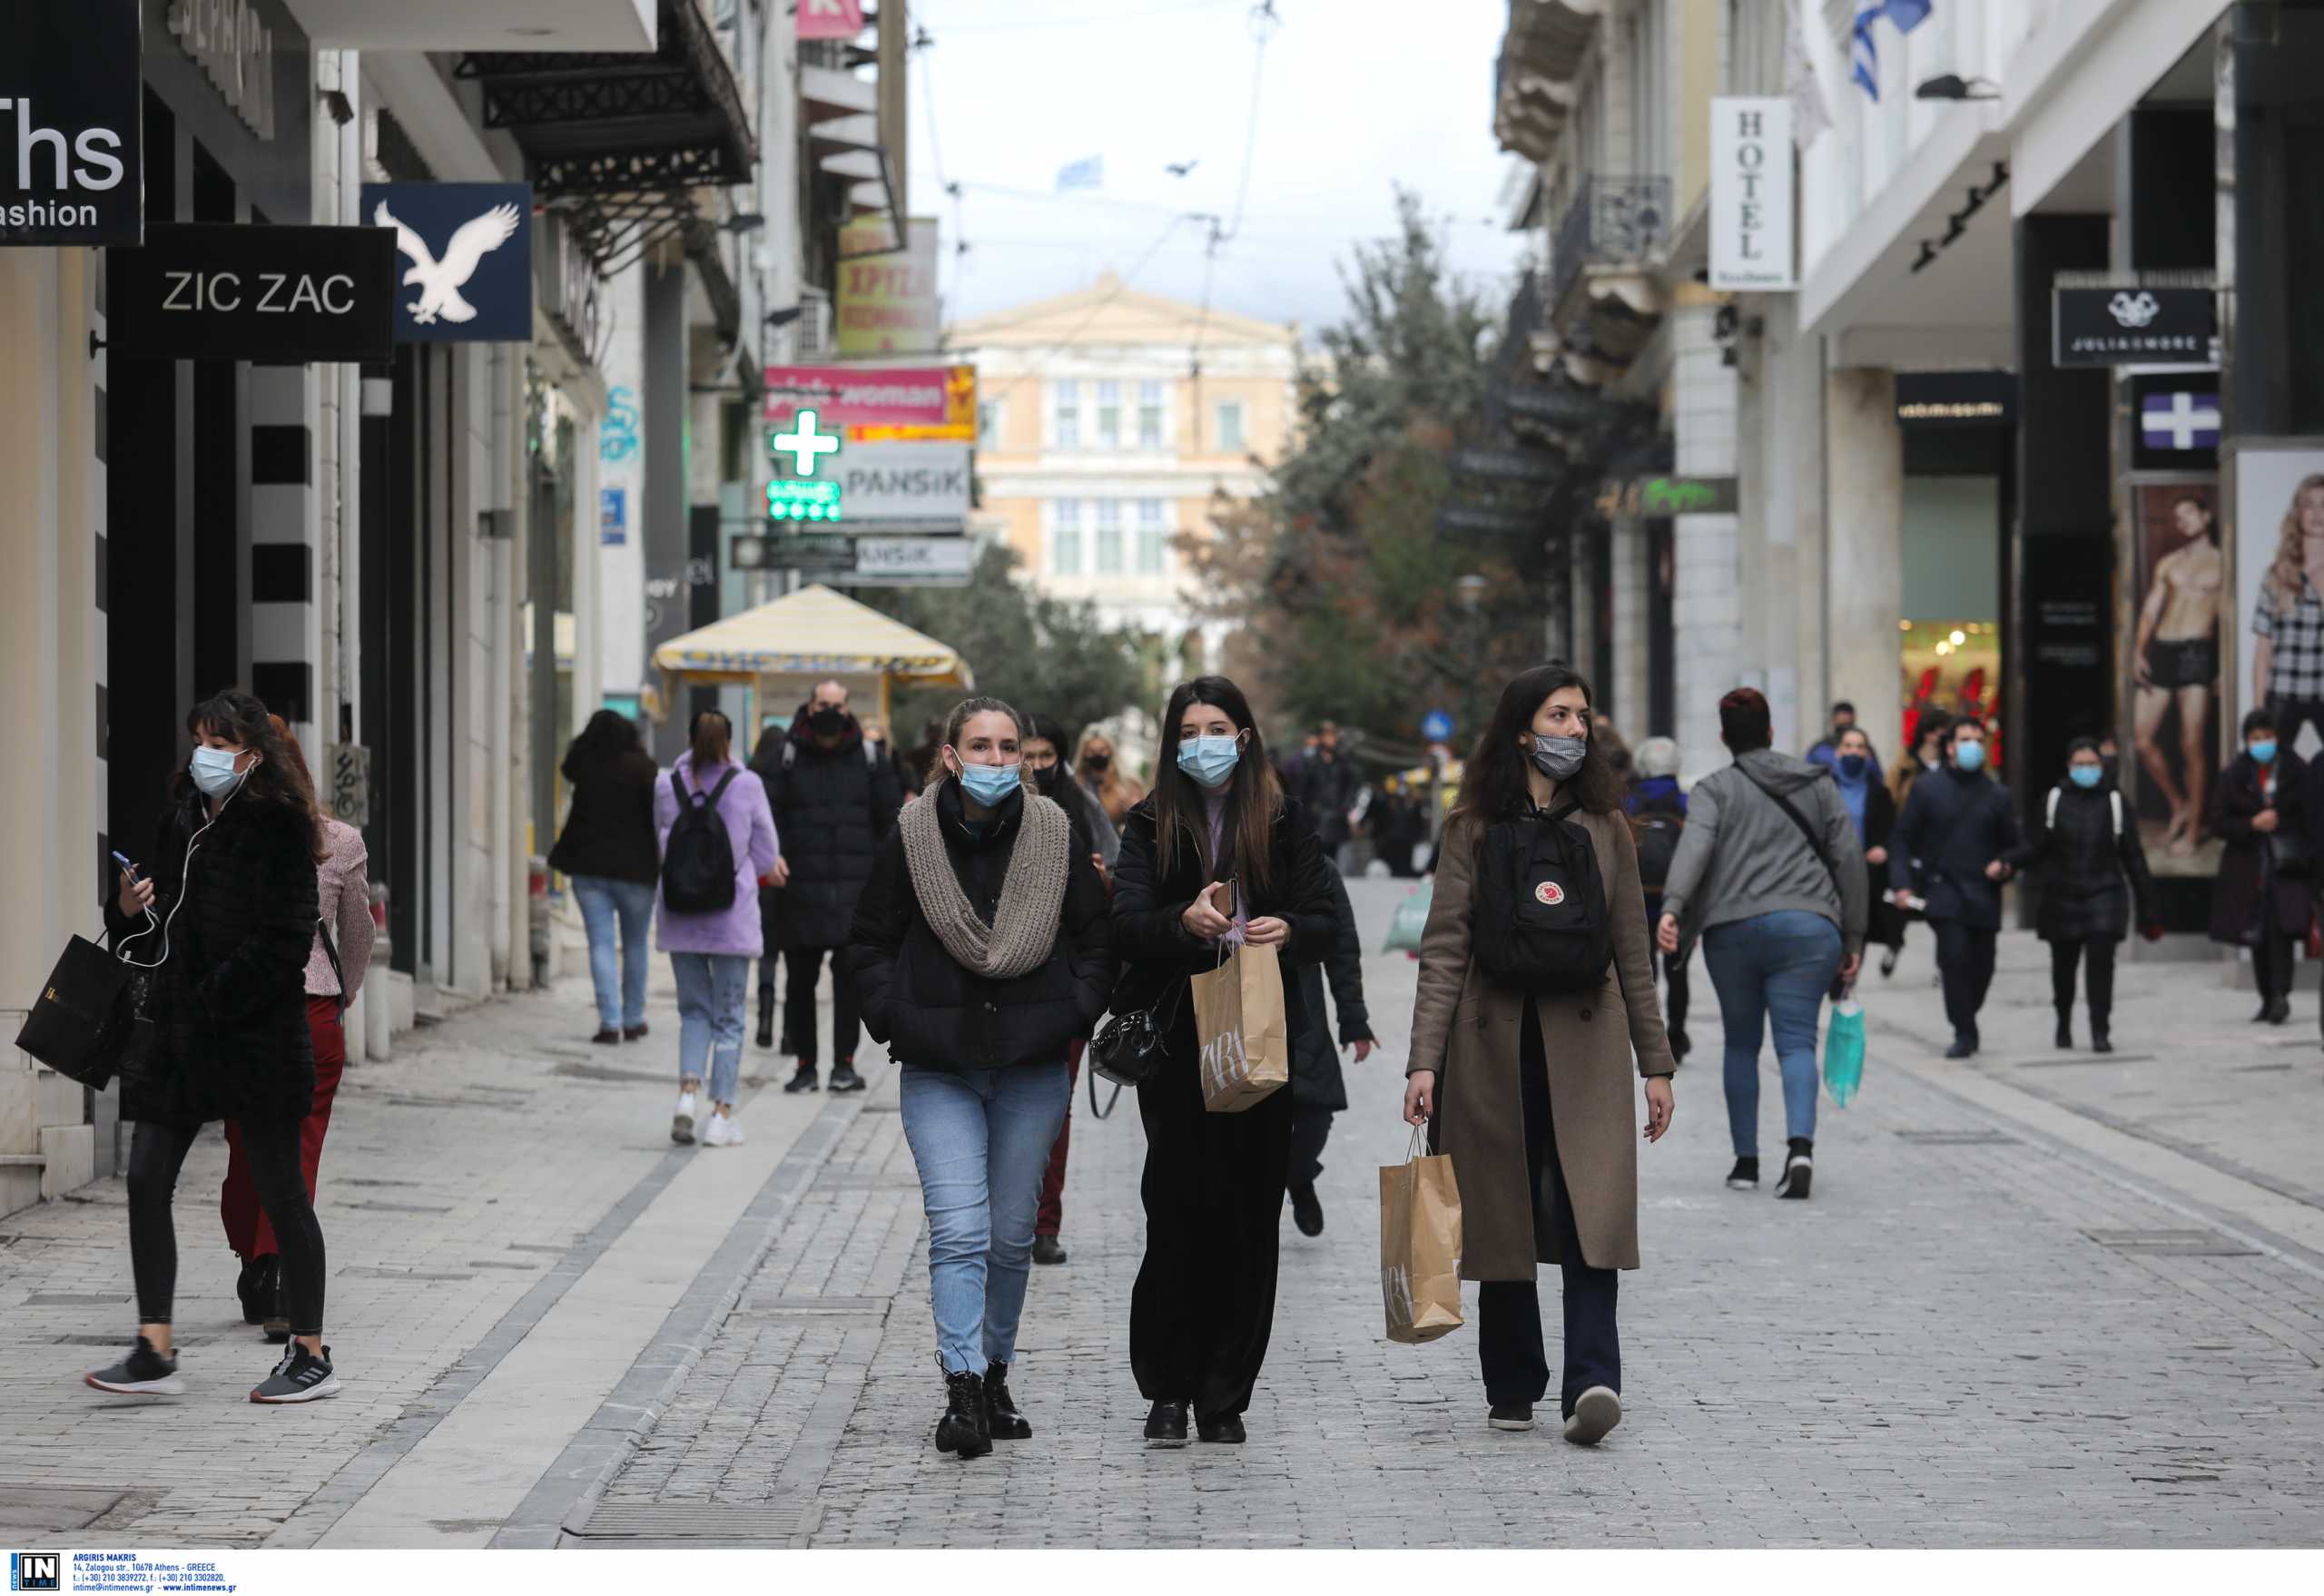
(1420, 1247)
(1239, 1019)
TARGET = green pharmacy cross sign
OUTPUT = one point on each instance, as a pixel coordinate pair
(788, 500)
(804, 445)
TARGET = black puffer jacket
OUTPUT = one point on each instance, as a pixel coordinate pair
(915, 996)
(2092, 864)
(834, 808)
(229, 1005)
(609, 831)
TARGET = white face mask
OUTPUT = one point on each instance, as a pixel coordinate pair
(213, 769)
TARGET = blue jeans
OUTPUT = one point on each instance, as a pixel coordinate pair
(1771, 967)
(712, 990)
(617, 969)
(981, 1138)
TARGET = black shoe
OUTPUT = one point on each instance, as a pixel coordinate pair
(2280, 1012)
(844, 1079)
(1888, 964)
(1798, 1169)
(254, 1286)
(964, 1429)
(2102, 1040)
(1681, 1046)
(146, 1372)
(1745, 1176)
(276, 1325)
(635, 1034)
(1962, 1047)
(2065, 1036)
(804, 1082)
(1511, 1416)
(1225, 1430)
(1166, 1425)
(301, 1376)
(1048, 1249)
(1306, 1209)
(607, 1033)
(765, 1038)
(1003, 1421)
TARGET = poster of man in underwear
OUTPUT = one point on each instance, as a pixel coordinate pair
(2175, 667)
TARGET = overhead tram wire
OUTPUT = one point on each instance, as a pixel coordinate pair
(921, 45)
(1263, 22)
(1035, 26)
(1119, 287)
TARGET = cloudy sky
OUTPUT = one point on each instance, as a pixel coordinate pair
(1354, 97)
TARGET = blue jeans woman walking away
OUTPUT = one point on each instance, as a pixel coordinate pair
(981, 950)
(1771, 969)
(611, 852)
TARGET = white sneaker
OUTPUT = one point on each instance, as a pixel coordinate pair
(1595, 1412)
(722, 1132)
(682, 1122)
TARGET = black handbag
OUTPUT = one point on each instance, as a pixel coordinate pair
(89, 1022)
(1129, 1049)
(2289, 857)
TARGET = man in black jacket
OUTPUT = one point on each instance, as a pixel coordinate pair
(1318, 1090)
(1326, 784)
(1960, 827)
(834, 796)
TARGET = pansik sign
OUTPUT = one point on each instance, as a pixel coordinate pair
(72, 123)
(914, 559)
(876, 396)
(904, 481)
(213, 290)
(1750, 193)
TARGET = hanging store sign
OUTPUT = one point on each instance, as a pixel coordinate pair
(72, 123)
(1956, 398)
(2134, 326)
(1751, 193)
(1654, 496)
(886, 302)
(831, 19)
(464, 257)
(213, 290)
(877, 396)
(905, 481)
(899, 560)
(235, 51)
(788, 499)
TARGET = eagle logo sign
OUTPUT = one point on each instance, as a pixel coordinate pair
(1549, 892)
(439, 282)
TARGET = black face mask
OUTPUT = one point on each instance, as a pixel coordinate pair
(1048, 782)
(1097, 764)
(827, 721)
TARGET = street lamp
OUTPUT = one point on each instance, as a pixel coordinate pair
(1952, 86)
(1470, 591)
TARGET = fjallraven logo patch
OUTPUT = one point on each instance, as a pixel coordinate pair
(1549, 892)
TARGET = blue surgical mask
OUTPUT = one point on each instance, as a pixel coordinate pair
(213, 769)
(1210, 761)
(2265, 752)
(2085, 775)
(1970, 757)
(989, 785)
(1852, 765)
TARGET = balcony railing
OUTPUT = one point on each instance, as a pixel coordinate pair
(1613, 220)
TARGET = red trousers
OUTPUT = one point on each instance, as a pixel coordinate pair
(1050, 1221)
(248, 1231)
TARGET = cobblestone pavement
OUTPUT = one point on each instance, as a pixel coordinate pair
(2037, 1299)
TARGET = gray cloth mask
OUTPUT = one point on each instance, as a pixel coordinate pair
(1559, 757)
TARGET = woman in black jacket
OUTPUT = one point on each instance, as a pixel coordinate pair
(610, 849)
(2094, 871)
(223, 914)
(1215, 855)
(1872, 811)
(980, 949)
(2258, 808)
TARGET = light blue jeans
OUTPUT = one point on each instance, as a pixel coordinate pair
(981, 1138)
(620, 918)
(712, 990)
(1772, 966)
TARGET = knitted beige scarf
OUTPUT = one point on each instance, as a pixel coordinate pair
(1032, 894)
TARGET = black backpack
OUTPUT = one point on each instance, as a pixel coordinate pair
(698, 861)
(1539, 921)
(1657, 832)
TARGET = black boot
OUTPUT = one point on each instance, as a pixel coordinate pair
(963, 1429)
(1000, 1415)
(2065, 1031)
(251, 1286)
(765, 1038)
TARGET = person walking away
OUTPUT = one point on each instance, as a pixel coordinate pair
(1045, 774)
(1958, 829)
(1100, 770)
(2261, 899)
(1216, 857)
(718, 842)
(1873, 814)
(1522, 1062)
(981, 948)
(835, 799)
(610, 852)
(223, 914)
(336, 965)
(1324, 782)
(1770, 871)
(2093, 870)
(2177, 651)
(1658, 812)
(1318, 1089)
(2288, 660)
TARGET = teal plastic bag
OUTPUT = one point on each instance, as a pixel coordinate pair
(1411, 920)
(1844, 1051)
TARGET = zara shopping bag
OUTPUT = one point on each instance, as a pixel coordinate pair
(1420, 1246)
(1240, 1020)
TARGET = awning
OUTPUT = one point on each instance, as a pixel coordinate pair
(1539, 55)
(813, 630)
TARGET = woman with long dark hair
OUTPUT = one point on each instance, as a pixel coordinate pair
(1523, 1043)
(1215, 857)
(609, 850)
(223, 913)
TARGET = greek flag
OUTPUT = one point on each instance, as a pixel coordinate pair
(1864, 57)
(2180, 420)
(1090, 172)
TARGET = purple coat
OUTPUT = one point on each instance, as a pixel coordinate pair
(750, 829)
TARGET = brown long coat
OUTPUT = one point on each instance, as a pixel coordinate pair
(1466, 1030)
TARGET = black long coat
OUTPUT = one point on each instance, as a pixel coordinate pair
(832, 807)
(2090, 876)
(1317, 1081)
(1160, 958)
(929, 1008)
(2251, 896)
(610, 832)
(229, 1004)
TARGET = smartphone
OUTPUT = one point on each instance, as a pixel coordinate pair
(126, 864)
(1222, 899)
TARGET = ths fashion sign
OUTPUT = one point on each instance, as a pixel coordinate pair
(71, 126)
(205, 291)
